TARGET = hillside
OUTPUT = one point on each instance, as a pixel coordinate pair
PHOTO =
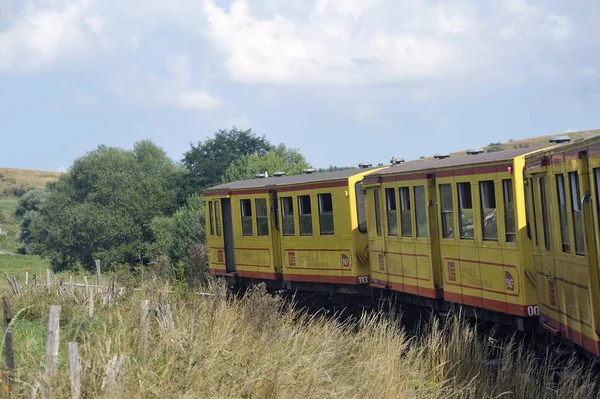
(13, 182)
(532, 141)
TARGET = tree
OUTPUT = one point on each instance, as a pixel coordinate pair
(207, 162)
(28, 207)
(102, 208)
(280, 159)
(174, 236)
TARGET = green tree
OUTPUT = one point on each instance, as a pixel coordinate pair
(174, 236)
(207, 162)
(103, 207)
(28, 207)
(280, 159)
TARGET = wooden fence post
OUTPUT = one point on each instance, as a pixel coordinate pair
(16, 285)
(52, 340)
(71, 281)
(12, 283)
(87, 288)
(8, 341)
(75, 372)
(91, 304)
(144, 326)
(35, 281)
(98, 274)
(26, 276)
(48, 279)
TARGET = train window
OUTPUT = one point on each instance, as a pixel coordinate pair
(246, 207)
(465, 209)
(287, 206)
(218, 218)
(326, 214)
(392, 220)
(509, 211)
(262, 220)
(305, 215)
(489, 224)
(361, 211)
(543, 200)
(405, 216)
(211, 218)
(577, 214)
(420, 211)
(562, 213)
(447, 210)
(377, 211)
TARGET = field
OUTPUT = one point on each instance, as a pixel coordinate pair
(260, 347)
(22, 177)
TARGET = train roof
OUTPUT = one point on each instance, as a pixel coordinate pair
(564, 147)
(457, 161)
(290, 180)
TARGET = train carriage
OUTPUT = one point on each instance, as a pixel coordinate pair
(454, 228)
(563, 189)
(301, 229)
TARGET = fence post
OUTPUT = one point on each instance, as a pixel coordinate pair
(26, 276)
(144, 326)
(98, 274)
(16, 285)
(52, 340)
(75, 372)
(48, 279)
(8, 341)
(87, 288)
(35, 281)
(71, 281)
(11, 282)
(91, 304)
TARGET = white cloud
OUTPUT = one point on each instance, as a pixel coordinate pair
(337, 42)
(176, 90)
(40, 36)
(590, 72)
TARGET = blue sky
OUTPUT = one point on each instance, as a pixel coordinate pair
(344, 81)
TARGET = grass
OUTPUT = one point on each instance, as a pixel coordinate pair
(31, 178)
(258, 347)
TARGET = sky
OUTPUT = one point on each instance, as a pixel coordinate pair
(343, 81)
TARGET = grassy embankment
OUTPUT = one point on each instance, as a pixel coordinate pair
(256, 347)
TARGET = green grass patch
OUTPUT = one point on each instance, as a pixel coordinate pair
(8, 206)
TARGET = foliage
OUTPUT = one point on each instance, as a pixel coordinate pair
(280, 159)
(207, 161)
(28, 207)
(175, 235)
(495, 147)
(102, 208)
(332, 168)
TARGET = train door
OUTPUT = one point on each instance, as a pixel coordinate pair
(379, 272)
(543, 253)
(228, 236)
(590, 207)
(275, 232)
(432, 207)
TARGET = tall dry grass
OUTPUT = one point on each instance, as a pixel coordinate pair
(258, 346)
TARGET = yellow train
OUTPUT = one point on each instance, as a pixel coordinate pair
(511, 236)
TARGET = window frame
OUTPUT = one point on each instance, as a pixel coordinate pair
(325, 214)
(218, 217)
(391, 214)
(405, 209)
(288, 216)
(246, 218)
(301, 214)
(377, 208)
(508, 197)
(361, 207)
(424, 215)
(264, 219)
(461, 207)
(483, 184)
(211, 218)
(563, 219)
(447, 234)
(576, 208)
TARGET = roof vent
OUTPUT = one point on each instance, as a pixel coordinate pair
(365, 165)
(279, 174)
(559, 139)
(309, 171)
(441, 156)
(474, 151)
(260, 175)
(396, 161)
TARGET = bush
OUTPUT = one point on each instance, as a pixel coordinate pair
(197, 265)
(18, 191)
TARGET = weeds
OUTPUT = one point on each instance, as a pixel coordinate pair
(257, 346)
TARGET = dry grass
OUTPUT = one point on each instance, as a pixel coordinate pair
(23, 178)
(259, 347)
